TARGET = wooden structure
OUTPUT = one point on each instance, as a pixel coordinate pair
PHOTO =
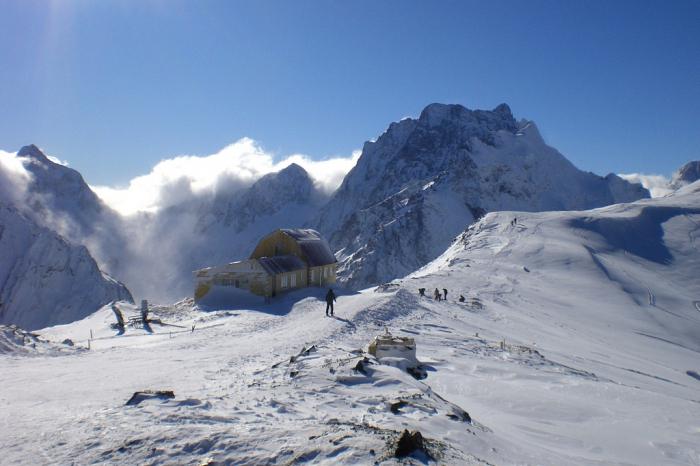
(283, 260)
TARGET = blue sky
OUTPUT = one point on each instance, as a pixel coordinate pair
(116, 86)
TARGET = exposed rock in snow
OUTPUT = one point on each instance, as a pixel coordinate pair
(417, 186)
(45, 280)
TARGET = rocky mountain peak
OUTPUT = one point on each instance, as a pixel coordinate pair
(33, 152)
(688, 173)
(293, 177)
(436, 115)
(293, 172)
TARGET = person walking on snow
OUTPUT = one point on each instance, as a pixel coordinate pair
(444, 295)
(330, 297)
(437, 294)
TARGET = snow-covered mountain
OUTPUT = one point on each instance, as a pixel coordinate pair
(687, 174)
(166, 247)
(411, 192)
(46, 280)
(577, 343)
(57, 197)
(420, 182)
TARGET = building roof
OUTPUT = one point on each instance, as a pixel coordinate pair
(280, 264)
(315, 249)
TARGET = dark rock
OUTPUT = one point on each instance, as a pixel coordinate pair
(68, 342)
(409, 443)
(460, 415)
(396, 406)
(361, 366)
(418, 373)
(138, 397)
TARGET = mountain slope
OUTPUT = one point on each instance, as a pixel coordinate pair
(423, 179)
(572, 347)
(45, 280)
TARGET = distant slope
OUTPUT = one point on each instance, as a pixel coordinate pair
(45, 280)
(422, 180)
(624, 275)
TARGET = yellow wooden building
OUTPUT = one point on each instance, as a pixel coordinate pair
(285, 259)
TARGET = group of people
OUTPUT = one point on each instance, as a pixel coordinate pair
(440, 296)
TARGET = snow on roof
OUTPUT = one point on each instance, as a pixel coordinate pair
(303, 234)
(281, 264)
(315, 249)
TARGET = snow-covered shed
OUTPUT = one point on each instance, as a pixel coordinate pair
(283, 260)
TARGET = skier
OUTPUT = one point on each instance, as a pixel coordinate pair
(421, 291)
(444, 296)
(330, 297)
(461, 299)
(437, 294)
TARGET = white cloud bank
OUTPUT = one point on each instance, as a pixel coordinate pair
(238, 165)
(658, 185)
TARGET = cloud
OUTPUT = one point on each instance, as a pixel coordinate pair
(14, 177)
(173, 181)
(658, 185)
(57, 160)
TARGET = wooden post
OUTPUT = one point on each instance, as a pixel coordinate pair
(91, 334)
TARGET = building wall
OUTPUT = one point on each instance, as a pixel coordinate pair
(322, 275)
(301, 280)
(246, 275)
(276, 244)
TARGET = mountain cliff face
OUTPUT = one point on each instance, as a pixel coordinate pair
(687, 174)
(57, 197)
(424, 179)
(45, 280)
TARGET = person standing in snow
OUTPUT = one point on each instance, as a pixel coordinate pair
(330, 298)
(421, 291)
(444, 295)
(437, 294)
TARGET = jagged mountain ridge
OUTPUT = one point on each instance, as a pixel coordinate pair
(423, 180)
(44, 279)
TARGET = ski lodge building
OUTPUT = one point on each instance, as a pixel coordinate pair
(284, 260)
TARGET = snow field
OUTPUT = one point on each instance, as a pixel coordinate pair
(570, 349)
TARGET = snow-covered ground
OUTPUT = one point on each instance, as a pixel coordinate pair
(600, 364)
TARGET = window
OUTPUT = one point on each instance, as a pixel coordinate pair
(313, 275)
(284, 281)
(325, 272)
(294, 280)
(238, 284)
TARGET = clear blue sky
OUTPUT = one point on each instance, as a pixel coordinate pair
(114, 86)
